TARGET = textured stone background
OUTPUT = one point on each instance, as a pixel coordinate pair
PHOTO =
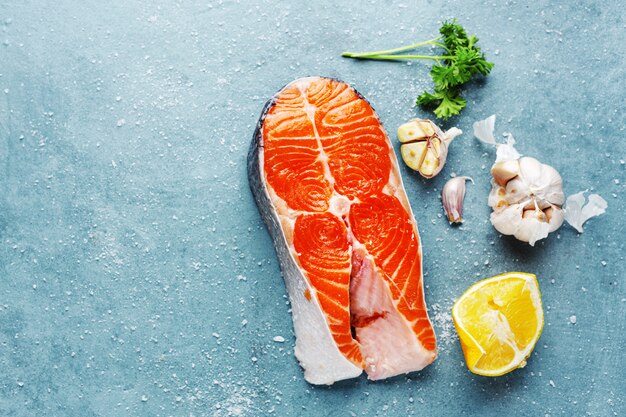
(136, 277)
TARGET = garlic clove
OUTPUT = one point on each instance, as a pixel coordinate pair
(431, 165)
(416, 130)
(504, 171)
(555, 217)
(549, 187)
(530, 169)
(452, 196)
(535, 213)
(496, 196)
(508, 219)
(413, 154)
(516, 191)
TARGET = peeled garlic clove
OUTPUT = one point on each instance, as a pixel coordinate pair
(504, 171)
(416, 129)
(431, 165)
(436, 153)
(452, 196)
(536, 214)
(413, 154)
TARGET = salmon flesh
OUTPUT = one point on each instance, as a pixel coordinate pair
(327, 184)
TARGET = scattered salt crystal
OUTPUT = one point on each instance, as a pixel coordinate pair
(244, 322)
(603, 263)
(121, 122)
(278, 339)
(216, 335)
(442, 319)
(572, 319)
(552, 384)
(144, 398)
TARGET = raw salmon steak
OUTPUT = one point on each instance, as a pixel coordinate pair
(327, 184)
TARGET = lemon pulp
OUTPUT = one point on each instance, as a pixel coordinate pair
(499, 321)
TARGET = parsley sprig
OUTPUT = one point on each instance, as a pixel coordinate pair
(461, 61)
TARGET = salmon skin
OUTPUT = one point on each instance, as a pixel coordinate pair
(327, 184)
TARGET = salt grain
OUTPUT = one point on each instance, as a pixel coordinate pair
(278, 339)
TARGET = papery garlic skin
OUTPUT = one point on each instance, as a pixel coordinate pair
(452, 196)
(425, 146)
(526, 195)
(483, 129)
(577, 213)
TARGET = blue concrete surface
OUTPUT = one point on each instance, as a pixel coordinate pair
(136, 276)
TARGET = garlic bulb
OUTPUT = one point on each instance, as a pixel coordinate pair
(526, 195)
(424, 146)
(452, 196)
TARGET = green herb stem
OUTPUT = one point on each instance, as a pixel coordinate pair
(394, 50)
(396, 57)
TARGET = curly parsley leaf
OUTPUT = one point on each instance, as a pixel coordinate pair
(446, 103)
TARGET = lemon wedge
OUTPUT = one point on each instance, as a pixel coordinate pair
(499, 321)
